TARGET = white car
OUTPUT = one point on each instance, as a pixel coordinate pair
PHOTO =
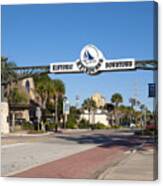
(132, 125)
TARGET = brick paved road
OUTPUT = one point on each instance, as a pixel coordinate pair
(20, 156)
(87, 164)
(68, 156)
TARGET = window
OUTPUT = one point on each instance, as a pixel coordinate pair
(27, 86)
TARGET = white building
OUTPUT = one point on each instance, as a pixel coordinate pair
(4, 111)
(98, 116)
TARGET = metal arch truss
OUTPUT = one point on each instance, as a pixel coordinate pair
(146, 65)
(24, 72)
(31, 71)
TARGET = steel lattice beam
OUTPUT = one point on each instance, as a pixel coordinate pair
(28, 71)
(146, 64)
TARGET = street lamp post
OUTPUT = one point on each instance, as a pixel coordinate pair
(38, 115)
(66, 110)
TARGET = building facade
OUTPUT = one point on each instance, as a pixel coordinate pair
(28, 110)
(94, 117)
(99, 100)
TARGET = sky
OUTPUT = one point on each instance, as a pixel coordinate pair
(44, 34)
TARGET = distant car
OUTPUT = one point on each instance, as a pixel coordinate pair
(20, 121)
(151, 126)
(125, 124)
(132, 125)
(50, 120)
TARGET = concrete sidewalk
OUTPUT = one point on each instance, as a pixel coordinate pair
(60, 131)
(139, 165)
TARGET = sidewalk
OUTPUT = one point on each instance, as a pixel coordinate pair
(25, 134)
(139, 165)
(60, 131)
(24, 137)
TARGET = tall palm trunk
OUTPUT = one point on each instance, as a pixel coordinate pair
(43, 108)
(56, 109)
(89, 115)
(56, 113)
(13, 122)
(116, 114)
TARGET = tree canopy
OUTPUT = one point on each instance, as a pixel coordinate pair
(116, 99)
(7, 73)
(89, 104)
(18, 96)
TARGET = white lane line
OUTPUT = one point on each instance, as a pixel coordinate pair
(13, 145)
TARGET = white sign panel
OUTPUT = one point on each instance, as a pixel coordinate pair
(91, 62)
(66, 107)
(64, 67)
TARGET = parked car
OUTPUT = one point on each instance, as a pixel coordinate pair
(151, 126)
(20, 121)
(132, 125)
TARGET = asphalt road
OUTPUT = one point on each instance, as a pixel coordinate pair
(35, 151)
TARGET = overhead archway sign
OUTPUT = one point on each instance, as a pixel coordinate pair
(92, 61)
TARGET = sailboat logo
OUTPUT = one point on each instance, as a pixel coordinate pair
(90, 59)
(88, 56)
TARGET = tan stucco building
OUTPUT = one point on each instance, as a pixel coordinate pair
(28, 86)
(99, 100)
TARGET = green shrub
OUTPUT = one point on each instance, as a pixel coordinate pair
(27, 126)
(35, 132)
(150, 132)
(18, 128)
(71, 122)
(146, 132)
(84, 124)
(49, 126)
(115, 126)
(52, 126)
(99, 126)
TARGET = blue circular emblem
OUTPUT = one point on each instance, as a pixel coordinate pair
(90, 59)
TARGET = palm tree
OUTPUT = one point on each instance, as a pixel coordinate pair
(49, 89)
(16, 97)
(142, 107)
(125, 112)
(143, 113)
(116, 99)
(43, 87)
(8, 75)
(58, 92)
(89, 105)
(7, 72)
(134, 102)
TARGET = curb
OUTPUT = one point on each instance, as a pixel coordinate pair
(26, 135)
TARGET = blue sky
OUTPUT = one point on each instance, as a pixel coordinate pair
(41, 34)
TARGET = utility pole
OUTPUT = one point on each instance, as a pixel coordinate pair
(136, 98)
